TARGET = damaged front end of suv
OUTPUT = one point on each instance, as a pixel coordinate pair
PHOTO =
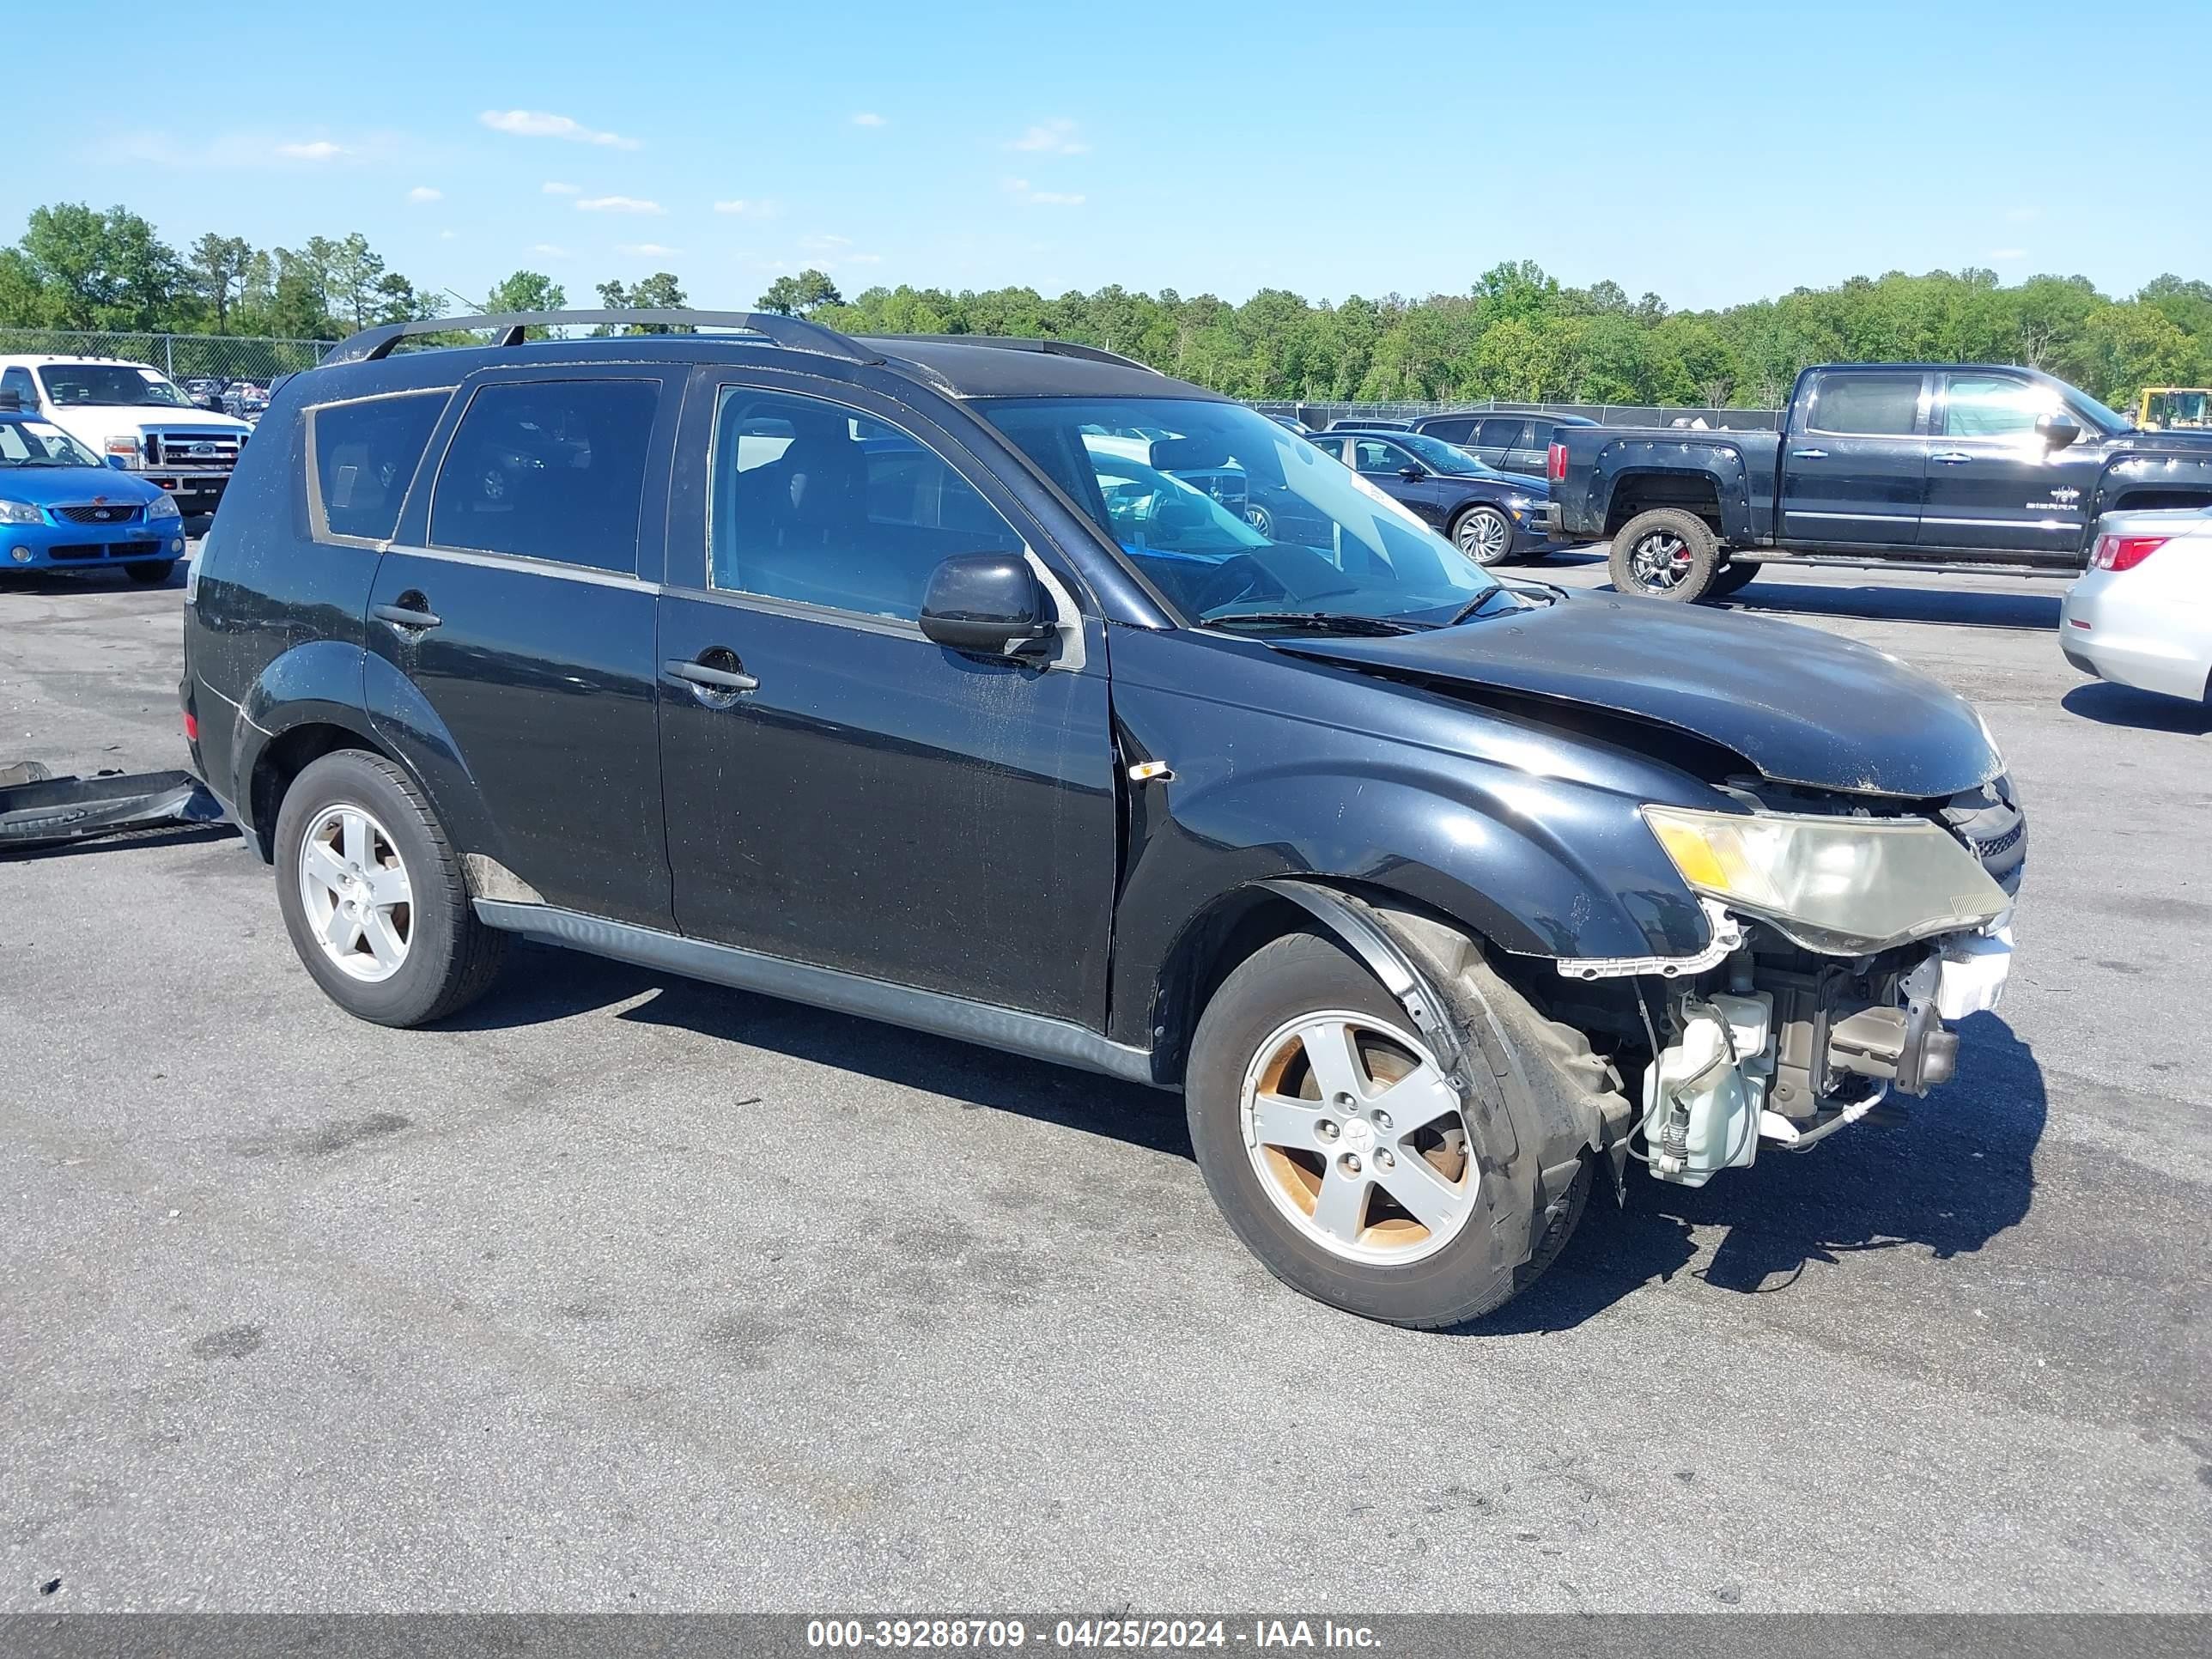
(1847, 937)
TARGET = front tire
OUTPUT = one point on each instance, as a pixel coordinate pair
(1341, 1157)
(149, 573)
(1484, 534)
(1665, 554)
(373, 898)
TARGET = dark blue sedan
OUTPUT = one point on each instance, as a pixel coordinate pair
(61, 509)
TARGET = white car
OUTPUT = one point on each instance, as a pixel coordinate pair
(133, 417)
(2142, 614)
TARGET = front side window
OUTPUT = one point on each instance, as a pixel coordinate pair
(18, 380)
(1994, 406)
(1373, 455)
(41, 443)
(1871, 405)
(818, 504)
(118, 384)
(364, 457)
(549, 470)
(1331, 542)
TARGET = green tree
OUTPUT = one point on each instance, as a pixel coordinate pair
(353, 274)
(218, 268)
(103, 271)
(798, 296)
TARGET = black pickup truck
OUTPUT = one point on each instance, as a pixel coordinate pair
(1933, 466)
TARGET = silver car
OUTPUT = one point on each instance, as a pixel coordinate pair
(2142, 614)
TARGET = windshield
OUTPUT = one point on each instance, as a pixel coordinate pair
(1226, 512)
(41, 443)
(110, 383)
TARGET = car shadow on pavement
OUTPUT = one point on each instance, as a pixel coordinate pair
(1955, 1174)
(1959, 608)
(542, 983)
(2145, 711)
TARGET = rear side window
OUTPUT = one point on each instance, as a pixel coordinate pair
(549, 470)
(364, 456)
(1452, 432)
(1872, 405)
(1501, 433)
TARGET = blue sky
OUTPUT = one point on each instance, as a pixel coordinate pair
(1712, 152)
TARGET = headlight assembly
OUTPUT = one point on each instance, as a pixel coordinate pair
(165, 506)
(20, 513)
(1845, 886)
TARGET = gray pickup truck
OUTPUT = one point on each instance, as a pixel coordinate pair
(1930, 465)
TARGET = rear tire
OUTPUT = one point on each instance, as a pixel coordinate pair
(149, 573)
(1664, 554)
(418, 959)
(1269, 1166)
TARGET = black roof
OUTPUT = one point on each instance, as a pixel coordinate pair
(960, 366)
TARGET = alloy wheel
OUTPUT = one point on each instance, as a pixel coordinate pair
(1357, 1138)
(1483, 536)
(1661, 561)
(354, 889)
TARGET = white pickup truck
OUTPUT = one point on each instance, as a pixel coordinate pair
(133, 417)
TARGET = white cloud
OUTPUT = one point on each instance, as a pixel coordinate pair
(2023, 215)
(868, 118)
(252, 151)
(2008, 253)
(554, 187)
(864, 259)
(752, 207)
(320, 149)
(824, 244)
(447, 235)
(550, 250)
(539, 124)
(618, 204)
(1054, 138)
(424, 193)
(1020, 190)
(646, 250)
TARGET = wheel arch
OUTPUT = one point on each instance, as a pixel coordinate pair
(1714, 485)
(283, 757)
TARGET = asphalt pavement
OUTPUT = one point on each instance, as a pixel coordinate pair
(625, 1292)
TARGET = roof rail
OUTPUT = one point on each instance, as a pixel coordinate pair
(372, 344)
(1021, 343)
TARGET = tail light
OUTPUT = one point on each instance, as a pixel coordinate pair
(191, 726)
(2125, 552)
(1555, 463)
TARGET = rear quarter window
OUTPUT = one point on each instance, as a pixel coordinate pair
(361, 458)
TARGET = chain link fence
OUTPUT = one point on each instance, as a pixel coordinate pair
(179, 356)
(1321, 413)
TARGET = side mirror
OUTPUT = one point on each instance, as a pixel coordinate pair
(986, 603)
(2057, 430)
(1413, 474)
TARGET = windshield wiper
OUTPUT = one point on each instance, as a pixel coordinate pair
(1480, 606)
(1317, 622)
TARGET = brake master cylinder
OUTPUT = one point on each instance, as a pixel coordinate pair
(1702, 1097)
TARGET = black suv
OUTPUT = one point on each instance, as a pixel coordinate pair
(1511, 440)
(887, 675)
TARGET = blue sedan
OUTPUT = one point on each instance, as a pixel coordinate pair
(62, 509)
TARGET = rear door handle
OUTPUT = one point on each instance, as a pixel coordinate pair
(1808, 454)
(407, 618)
(1950, 457)
(713, 678)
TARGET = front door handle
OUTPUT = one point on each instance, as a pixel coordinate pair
(1808, 454)
(1950, 457)
(710, 677)
(415, 617)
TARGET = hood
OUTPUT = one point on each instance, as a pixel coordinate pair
(66, 486)
(2185, 441)
(1802, 706)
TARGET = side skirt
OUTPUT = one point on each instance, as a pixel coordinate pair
(1005, 1029)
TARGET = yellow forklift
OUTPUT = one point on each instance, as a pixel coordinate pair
(2169, 408)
